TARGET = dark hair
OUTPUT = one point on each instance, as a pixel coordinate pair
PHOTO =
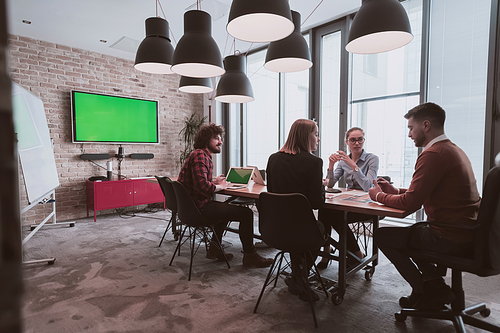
(352, 129)
(206, 133)
(299, 136)
(428, 111)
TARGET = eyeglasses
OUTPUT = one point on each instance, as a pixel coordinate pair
(358, 140)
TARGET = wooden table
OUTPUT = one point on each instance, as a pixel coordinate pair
(348, 201)
(358, 202)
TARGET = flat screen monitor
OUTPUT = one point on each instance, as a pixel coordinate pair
(100, 118)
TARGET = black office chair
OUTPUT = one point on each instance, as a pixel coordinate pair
(287, 223)
(171, 204)
(197, 225)
(484, 261)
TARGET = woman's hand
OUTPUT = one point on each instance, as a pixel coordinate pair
(334, 158)
(344, 157)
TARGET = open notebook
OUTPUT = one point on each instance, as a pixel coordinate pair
(239, 177)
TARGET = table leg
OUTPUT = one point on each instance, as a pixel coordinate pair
(374, 247)
(339, 290)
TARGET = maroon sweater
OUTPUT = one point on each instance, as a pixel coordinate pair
(444, 183)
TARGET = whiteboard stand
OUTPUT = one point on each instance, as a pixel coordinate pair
(35, 227)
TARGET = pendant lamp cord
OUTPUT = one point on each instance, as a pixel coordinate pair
(165, 17)
(312, 12)
(225, 45)
(159, 3)
(248, 49)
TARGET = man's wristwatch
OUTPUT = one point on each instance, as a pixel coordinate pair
(356, 169)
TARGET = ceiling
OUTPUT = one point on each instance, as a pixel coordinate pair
(116, 27)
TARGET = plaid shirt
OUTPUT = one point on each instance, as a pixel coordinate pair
(196, 176)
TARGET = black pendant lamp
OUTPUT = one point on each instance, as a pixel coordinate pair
(290, 54)
(197, 53)
(259, 21)
(379, 26)
(195, 85)
(154, 54)
(234, 86)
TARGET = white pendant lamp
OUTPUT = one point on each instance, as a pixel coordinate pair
(197, 53)
(379, 26)
(234, 86)
(259, 21)
(290, 54)
(195, 85)
(154, 54)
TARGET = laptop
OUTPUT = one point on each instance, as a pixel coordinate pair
(256, 176)
(239, 177)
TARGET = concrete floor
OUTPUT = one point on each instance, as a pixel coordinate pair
(111, 276)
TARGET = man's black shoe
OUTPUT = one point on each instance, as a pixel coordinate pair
(436, 295)
(293, 287)
(408, 302)
(305, 293)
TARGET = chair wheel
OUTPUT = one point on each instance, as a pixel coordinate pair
(337, 297)
(485, 312)
(400, 317)
(369, 273)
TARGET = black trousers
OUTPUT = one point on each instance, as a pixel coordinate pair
(302, 262)
(224, 212)
(392, 241)
(334, 218)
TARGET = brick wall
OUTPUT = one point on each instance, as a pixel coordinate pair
(50, 71)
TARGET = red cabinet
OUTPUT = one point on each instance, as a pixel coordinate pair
(122, 193)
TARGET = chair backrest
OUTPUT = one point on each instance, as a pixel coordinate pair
(287, 222)
(168, 192)
(188, 212)
(489, 219)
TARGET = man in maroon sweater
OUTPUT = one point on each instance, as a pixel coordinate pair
(444, 183)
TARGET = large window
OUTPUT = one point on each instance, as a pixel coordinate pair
(384, 87)
(280, 99)
(446, 63)
(330, 66)
(262, 115)
(458, 58)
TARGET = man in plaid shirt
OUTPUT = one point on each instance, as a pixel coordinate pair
(196, 176)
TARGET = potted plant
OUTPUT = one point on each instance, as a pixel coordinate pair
(191, 126)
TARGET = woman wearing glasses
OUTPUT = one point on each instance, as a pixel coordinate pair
(358, 169)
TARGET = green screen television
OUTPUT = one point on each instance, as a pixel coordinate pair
(99, 118)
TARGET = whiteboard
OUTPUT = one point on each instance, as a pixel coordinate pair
(34, 145)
